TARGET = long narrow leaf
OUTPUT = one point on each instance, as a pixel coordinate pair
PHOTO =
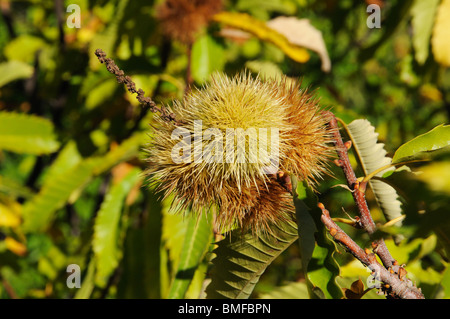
(241, 259)
(197, 239)
(57, 188)
(29, 134)
(106, 228)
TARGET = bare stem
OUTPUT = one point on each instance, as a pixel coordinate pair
(131, 87)
(395, 284)
(391, 270)
(358, 192)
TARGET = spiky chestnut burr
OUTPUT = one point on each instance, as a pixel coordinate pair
(245, 191)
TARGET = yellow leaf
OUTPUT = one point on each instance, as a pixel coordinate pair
(9, 216)
(15, 246)
(259, 29)
(430, 92)
(302, 33)
(441, 34)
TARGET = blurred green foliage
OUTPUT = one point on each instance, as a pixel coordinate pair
(71, 189)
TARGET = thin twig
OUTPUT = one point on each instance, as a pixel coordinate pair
(391, 270)
(395, 284)
(131, 87)
(358, 192)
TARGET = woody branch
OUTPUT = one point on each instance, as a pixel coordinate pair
(131, 87)
(394, 279)
(358, 192)
(391, 269)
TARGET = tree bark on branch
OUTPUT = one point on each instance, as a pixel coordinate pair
(390, 273)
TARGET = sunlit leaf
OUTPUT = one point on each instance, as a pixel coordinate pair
(106, 228)
(87, 286)
(14, 70)
(9, 215)
(195, 244)
(101, 93)
(265, 69)
(317, 251)
(306, 225)
(436, 175)
(323, 269)
(24, 48)
(39, 211)
(15, 246)
(259, 29)
(13, 188)
(420, 146)
(28, 134)
(107, 38)
(423, 13)
(173, 232)
(439, 39)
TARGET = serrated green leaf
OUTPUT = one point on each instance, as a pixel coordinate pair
(67, 158)
(173, 232)
(197, 239)
(39, 211)
(140, 267)
(126, 150)
(106, 228)
(14, 70)
(241, 259)
(13, 188)
(30, 134)
(87, 285)
(372, 156)
(422, 145)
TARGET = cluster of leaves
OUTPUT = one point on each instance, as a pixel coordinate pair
(71, 189)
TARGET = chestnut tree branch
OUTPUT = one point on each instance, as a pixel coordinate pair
(358, 191)
(395, 284)
(131, 87)
(392, 275)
